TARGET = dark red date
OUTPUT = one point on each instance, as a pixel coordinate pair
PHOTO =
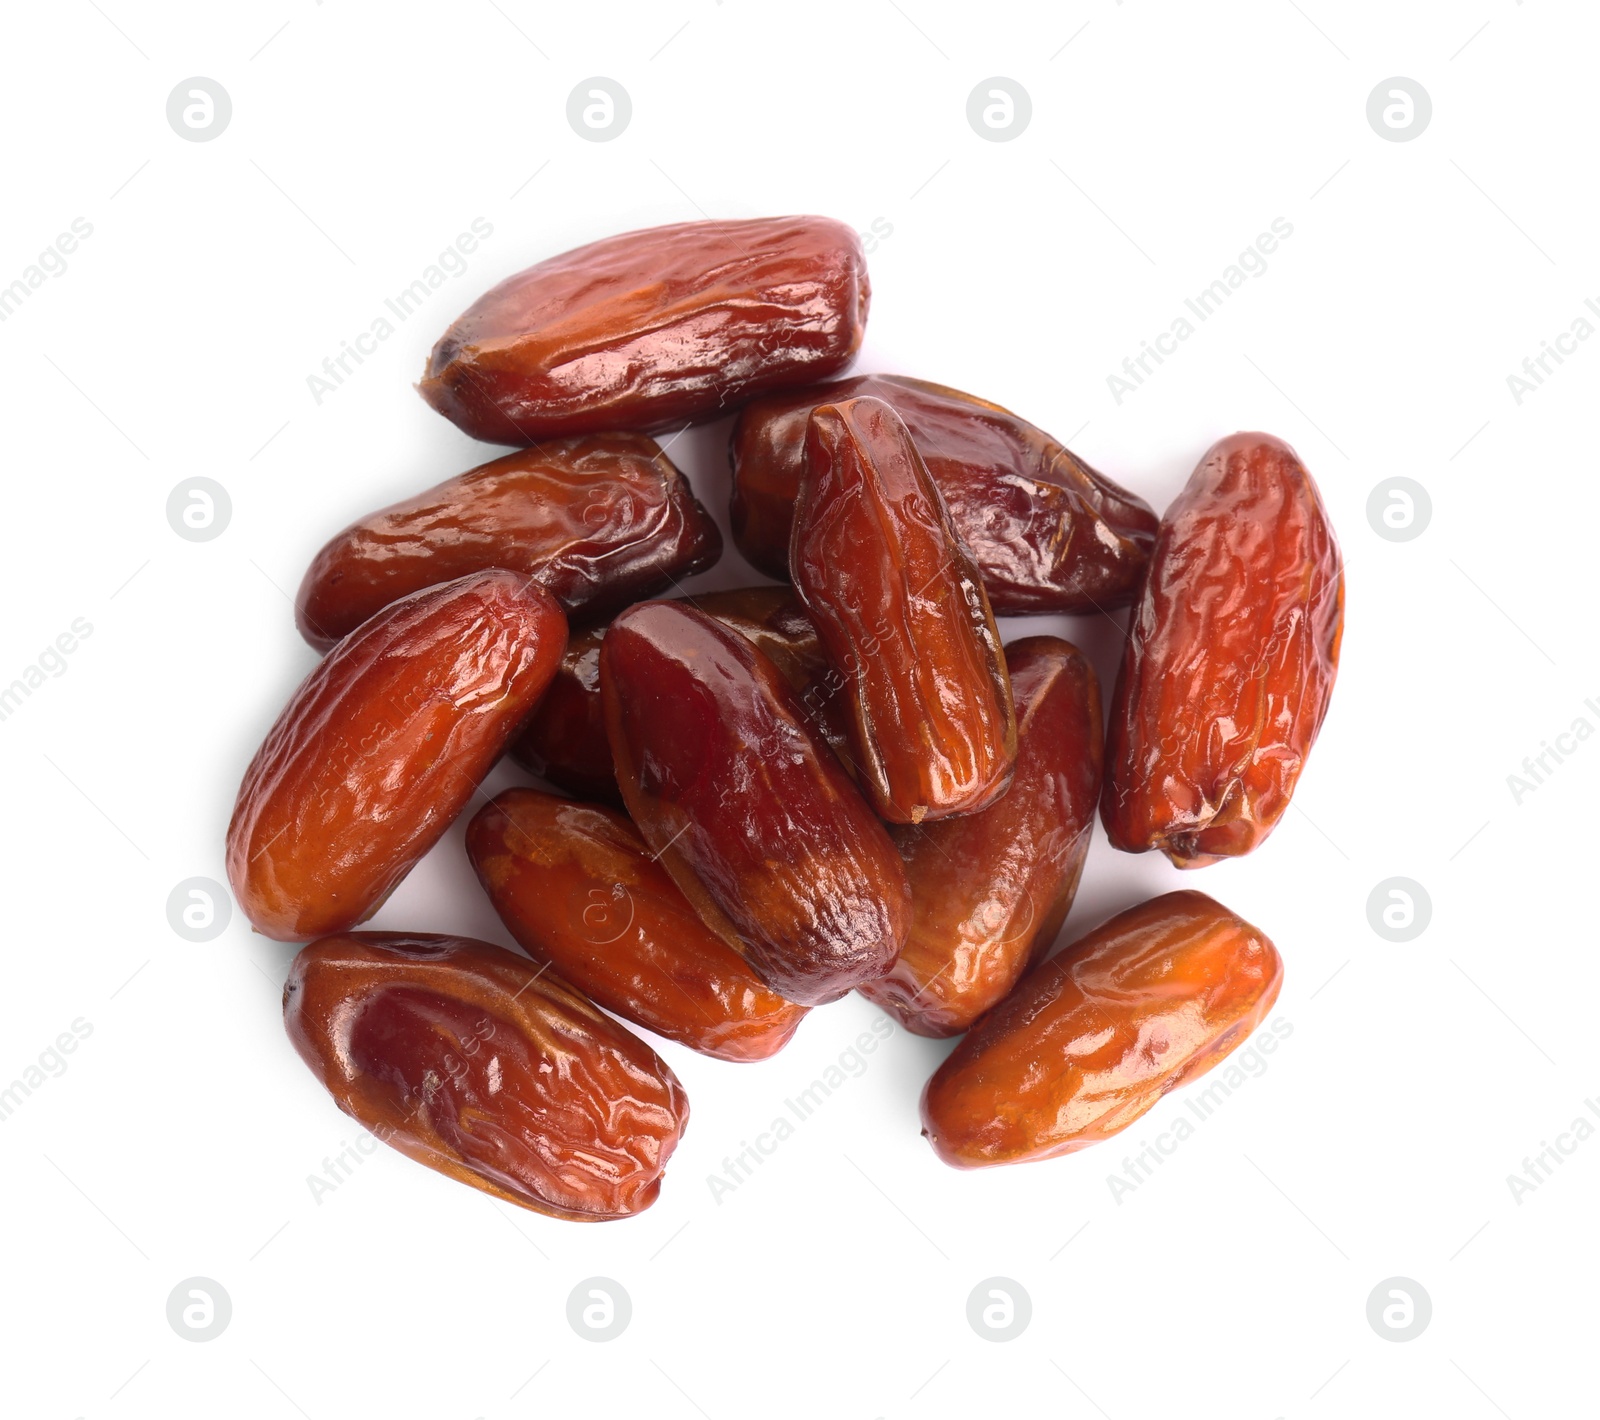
(749, 810)
(598, 522)
(653, 328)
(1048, 533)
(565, 738)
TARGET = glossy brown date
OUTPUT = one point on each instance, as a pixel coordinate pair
(1047, 532)
(749, 810)
(578, 888)
(653, 328)
(565, 740)
(597, 521)
(901, 612)
(989, 891)
(382, 746)
(1230, 661)
(474, 1061)
(1095, 1036)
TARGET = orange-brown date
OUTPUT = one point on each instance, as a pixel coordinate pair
(902, 615)
(1230, 661)
(565, 740)
(598, 521)
(470, 1059)
(653, 328)
(1093, 1038)
(1047, 532)
(382, 746)
(748, 808)
(990, 890)
(578, 888)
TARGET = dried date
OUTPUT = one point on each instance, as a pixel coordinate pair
(565, 740)
(475, 1062)
(653, 328)
(749, 810)
(577, 887)
(1093, 1038)
(1230, 661)
(381, 747)
(1047, 532)
(902, 614)
(598, 521)
(990, 890)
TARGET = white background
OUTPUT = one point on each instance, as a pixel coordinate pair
(1164, 138)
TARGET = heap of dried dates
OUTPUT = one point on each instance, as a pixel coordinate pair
(784, 793)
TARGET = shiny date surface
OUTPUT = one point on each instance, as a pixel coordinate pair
(1093, 1038)
(598, 522)
(1230, 661)
(902, 615)
(381, 747)
(1047, 532)
(749, 810)
(480, 1064)
(653, 328)
(565, 740)
(990, 890)
(578, 887)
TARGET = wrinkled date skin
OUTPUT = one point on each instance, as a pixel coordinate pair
(1099, 1033)
(578, 888)
(381, 747)
(653, 328)
(598, 521)
(1047, 532)
(474, 1061)
(901, 612)
(749, 810)
(565, 738)
(1230, 660)
(989, 891)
